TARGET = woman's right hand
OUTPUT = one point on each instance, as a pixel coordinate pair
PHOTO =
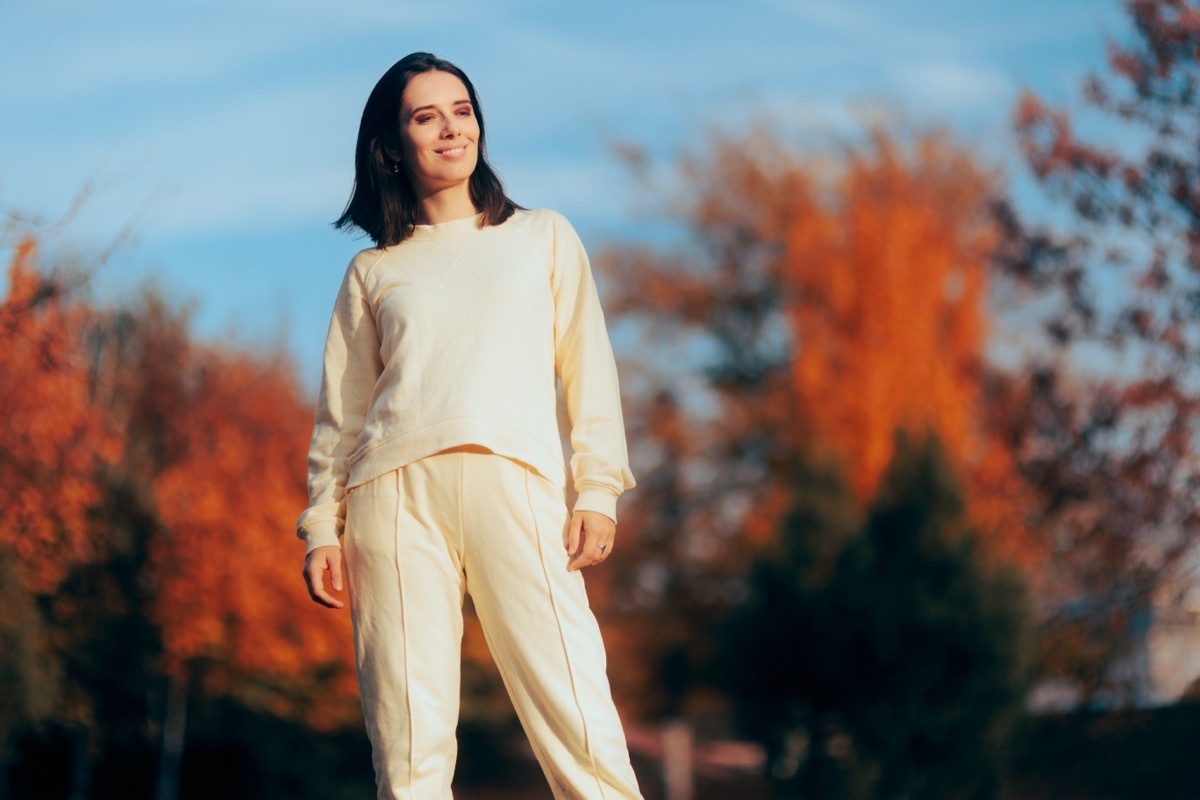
(319, 561)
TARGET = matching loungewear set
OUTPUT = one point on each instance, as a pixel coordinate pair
(436, 460)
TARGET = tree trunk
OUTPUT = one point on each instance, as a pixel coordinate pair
(81, 764)
(174, 728)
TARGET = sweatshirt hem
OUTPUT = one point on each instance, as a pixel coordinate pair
(416, 444)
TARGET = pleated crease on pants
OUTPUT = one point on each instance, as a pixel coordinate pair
(416, 540)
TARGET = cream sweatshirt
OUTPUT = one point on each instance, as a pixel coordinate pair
(458, 336)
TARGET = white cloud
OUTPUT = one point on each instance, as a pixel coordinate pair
(952, 86)
(832, 14)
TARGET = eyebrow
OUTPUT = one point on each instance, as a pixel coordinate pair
(431, 106)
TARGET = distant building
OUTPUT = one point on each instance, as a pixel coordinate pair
(1167, 650)
(1162, 668)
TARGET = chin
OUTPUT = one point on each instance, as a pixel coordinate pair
(465, 173)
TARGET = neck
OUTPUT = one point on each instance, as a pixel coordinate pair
(447, 205)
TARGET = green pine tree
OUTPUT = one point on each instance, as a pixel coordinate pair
(877, 654)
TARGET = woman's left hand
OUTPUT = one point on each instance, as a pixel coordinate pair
(590, 539)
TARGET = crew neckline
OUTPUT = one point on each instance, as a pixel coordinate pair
(450, 228)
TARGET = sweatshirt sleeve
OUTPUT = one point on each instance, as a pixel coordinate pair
(584, 361)
(352, 367)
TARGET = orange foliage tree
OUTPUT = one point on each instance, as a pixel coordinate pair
(217, 438)
(151, 489)
(825, 308)
(838, 308)
(54, 439)
(229, 592)
(887, 309)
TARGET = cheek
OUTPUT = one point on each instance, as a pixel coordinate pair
(412, 142)
(407, 147)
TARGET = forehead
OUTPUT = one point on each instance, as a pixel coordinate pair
(433, 88)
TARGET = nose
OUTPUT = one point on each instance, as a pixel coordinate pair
(452, 127)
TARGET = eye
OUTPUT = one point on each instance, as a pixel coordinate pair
(423, 118)
(465, 111)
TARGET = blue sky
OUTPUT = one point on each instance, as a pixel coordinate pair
(220, 134)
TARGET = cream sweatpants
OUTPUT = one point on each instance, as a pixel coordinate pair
(416, 540)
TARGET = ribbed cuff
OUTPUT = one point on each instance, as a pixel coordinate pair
(599, 499)
(319, 536)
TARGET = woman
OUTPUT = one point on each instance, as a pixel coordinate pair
(435, 456)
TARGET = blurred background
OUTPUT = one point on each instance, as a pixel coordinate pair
(905, 298)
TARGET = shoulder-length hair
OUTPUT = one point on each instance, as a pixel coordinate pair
(382, 202)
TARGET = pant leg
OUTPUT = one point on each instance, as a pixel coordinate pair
(406, 589)
(540, 629)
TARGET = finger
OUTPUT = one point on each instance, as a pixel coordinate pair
(590, 552)
(335, 570)
(581, 535)
(316, 582)
(326, 599)
(588, 558)
(333, 565)
(312, 576)
(594, 549)
(308, 579)
(574, 533)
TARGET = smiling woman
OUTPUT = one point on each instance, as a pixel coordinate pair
(438, 134)
(435, 467)
(421, 142)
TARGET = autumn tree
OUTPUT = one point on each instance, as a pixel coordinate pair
(1106, 407)
(54, 445)
(216, 438)
(814, 303)
(54, 438)
(152, 485)
(226, 504)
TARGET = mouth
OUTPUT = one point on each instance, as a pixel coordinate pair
(452, 152)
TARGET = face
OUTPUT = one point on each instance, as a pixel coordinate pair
(439, 132)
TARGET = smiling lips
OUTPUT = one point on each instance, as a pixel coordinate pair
(452, 152)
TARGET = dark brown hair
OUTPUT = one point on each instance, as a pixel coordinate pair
(382, 202)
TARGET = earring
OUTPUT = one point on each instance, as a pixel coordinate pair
(395, 167)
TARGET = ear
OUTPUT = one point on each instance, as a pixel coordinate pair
(390, 145)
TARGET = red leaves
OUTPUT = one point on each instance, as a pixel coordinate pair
(53, 440)
(214, 439)
(843, 303)
(227, 561)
